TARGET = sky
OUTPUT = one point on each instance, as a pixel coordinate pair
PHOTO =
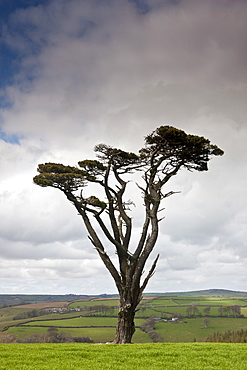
(76, 73)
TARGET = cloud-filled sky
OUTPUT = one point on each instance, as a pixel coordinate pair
(76, 73)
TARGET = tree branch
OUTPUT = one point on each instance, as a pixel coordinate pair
(96, 241)
(149, 275)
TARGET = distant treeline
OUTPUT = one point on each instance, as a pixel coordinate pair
(148, 327)
(30, 314)
(51, 336)
(239, 336)
(224, 311)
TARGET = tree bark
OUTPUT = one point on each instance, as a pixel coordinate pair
(125, 326)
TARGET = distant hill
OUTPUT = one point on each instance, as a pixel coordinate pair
(21, 299)
(204, 293)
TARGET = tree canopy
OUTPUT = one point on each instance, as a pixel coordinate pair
(166, 151)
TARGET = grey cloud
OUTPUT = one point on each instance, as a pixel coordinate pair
(72, 249)
(39, 218)
(77, 74)
(46, 269)
(182, 262)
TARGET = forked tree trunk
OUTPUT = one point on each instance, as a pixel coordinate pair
(130, 297)
(125, 326)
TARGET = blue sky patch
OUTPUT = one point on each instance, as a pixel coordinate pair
(8, 65)
(9, 59)
(9, 138)
(8, 6)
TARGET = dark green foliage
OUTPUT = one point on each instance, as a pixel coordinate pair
(95, 202)
(120, 156)
(92, 166)
(182, 150)
(65, 178)
(121, 161)
(30, 314)
(166, 150)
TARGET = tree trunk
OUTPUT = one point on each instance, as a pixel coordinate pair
(125, 326)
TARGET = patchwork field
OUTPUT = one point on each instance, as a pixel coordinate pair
(175, 319)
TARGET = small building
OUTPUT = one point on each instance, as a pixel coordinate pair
(157, 319)
(174, 319)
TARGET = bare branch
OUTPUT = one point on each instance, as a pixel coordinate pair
(149, 275)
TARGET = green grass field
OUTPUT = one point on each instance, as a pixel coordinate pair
(160, 301)
(78, 321)
(82, 323)
(193, 356)
(195, 330)
(211, 301)
(171, 311)
(75, 328)
(98, 335)
(95, 302)
(205, 301)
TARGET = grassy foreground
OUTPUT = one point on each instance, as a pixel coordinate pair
(130, 356)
